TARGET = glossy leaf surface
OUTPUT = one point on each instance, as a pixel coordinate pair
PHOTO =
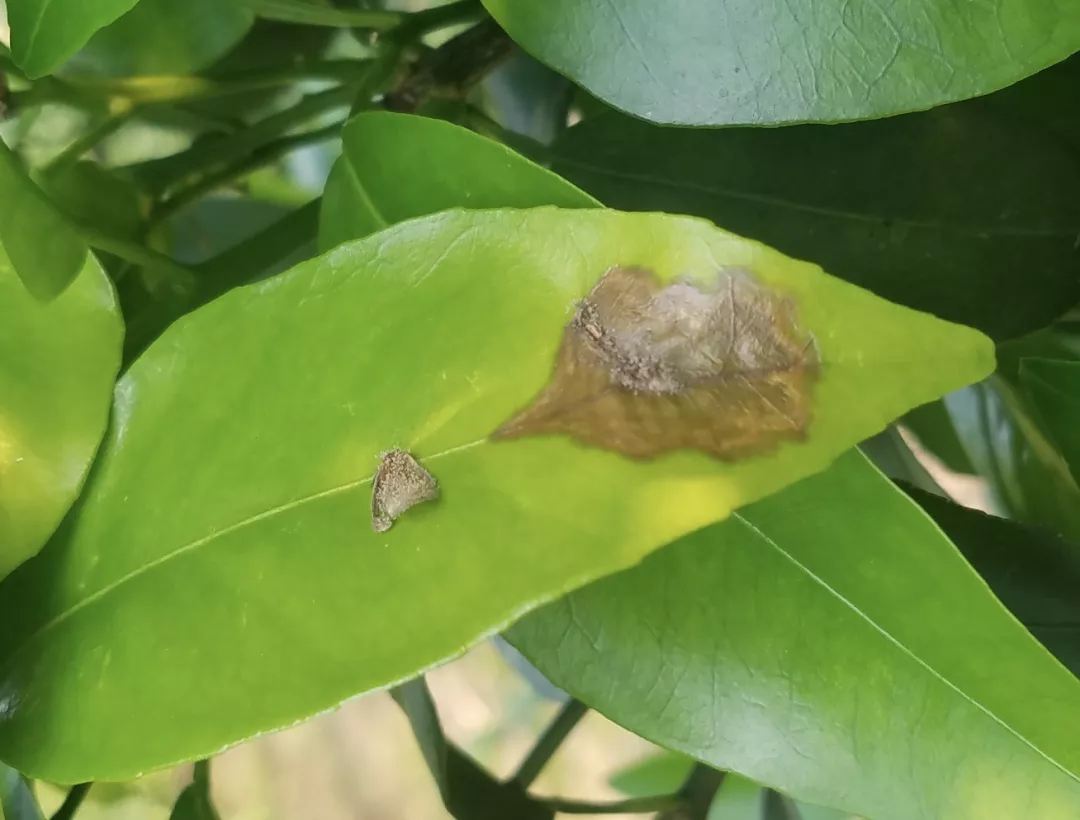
(742, 62)
(42, 245)
(775, 644)
(935, 210)
(1033, 570)
(45, 33)
(426, 336)
(1028, 478)
(58, 363)
(395, 167)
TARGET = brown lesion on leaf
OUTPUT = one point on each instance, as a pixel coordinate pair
(644, 369)
(400, 483)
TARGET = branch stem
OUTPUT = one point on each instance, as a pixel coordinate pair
(568, 717)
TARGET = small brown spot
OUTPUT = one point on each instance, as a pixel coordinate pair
(643, 369)
(400, 483)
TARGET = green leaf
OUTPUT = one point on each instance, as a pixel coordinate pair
(58, 363)
(45, 249)
(194, 802)
(395, 167)
(937, 210)
(310, 13)
(166, 37)
(1027, 476)
(45, 33)
(662, 773)
(426, 336)
(17, 800)
(738, 799)
(91, 195)
(1054, 388)
(770, 62)
(832, 644)
(1034, 571)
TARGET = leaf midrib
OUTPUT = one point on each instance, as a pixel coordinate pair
(191, 546)
(903, 648)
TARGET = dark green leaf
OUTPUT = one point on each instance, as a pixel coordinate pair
(474, 795)
(1027, 476)
(44, 33)
(662, 773)
(776, 645)
(395, 167)
(58, 362)
(44, 247)
(1034, 571)
(313, 13)
(1054, 388)
(935, 431)
(90, 195)
(16, 798)
(427, 337)
(937, 210)
(166, 37)
(755, 63)
(194, 802)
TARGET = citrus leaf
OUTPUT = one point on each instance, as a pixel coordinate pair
(45, 33)
(17, 800)
(166, 37)
(43, 246)
(756, 63)
(425, 337)
(936, 210)
(827, 641)
(1028, 478)
(58, 363)
(397, 166)
(1054, 388)
(311, 13)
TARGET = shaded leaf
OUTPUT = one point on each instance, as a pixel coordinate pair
(796, 624)
(166, 37)
(42, 245)
(425, 337)
(758, 63)
(474, 795)
(45, 33)
(1054, 388)
(396, 166)
(194, 802)
(1034, 571)
(935, 431)
(1028, 478)
(17, 800)
(643, 369)
(310, 13)
(58, 363)
(937, 210)
(91, 195)
(661, 773)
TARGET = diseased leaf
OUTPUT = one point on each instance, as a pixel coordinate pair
(42, 245)
(45, 33)
(721, 367)
(936, 210)
(762, 62)
(272, 531)
(400, 483)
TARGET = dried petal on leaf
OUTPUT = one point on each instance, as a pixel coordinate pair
(643, 369)
(400, 483)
